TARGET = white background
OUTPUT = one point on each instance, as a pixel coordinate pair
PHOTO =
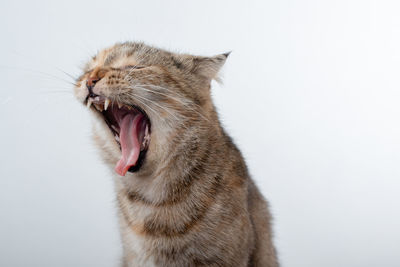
(311, 96)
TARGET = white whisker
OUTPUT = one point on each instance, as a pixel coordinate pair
(154, 103)
(40, 72)
(188, 105)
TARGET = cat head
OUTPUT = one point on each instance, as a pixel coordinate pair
(143, 97)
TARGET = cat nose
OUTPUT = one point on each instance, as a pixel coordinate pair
(96, 75)
(90, 83)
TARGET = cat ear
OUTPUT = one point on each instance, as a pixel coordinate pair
(209, 67)
(203, 67)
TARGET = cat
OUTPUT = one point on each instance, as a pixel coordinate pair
(184, 194)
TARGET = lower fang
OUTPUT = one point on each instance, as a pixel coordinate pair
(114, 128)
(89, 103)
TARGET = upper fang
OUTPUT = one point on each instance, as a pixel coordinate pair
(106, 103)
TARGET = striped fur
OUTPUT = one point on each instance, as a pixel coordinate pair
(192, 203)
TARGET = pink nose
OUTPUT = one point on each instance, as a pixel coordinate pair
(96, 75)
(91, 82)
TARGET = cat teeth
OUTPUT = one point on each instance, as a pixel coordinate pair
(106, 103)
(103, 106)
(89, 103)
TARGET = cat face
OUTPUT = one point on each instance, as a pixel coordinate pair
(142, 97)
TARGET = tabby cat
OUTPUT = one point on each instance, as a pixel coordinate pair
(184, 194)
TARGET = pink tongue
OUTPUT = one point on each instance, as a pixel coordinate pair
(129, 142)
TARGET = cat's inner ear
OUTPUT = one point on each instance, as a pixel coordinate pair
(209, 67)
(205, 67)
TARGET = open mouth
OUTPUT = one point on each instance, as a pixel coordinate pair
(131, 129)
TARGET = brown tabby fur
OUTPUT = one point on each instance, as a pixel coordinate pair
(192, 203)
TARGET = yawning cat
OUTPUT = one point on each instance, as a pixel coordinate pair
(184, 193)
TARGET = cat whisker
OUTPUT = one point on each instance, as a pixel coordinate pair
(56, 92)
(142, 86)
(136, 96)
(68, 74)
(169, 90)
(188, 105)
(37, 96)
(34, 61)
(146, 106)
(154, 103)
(172, 92)
(45, 103)
(40, 72)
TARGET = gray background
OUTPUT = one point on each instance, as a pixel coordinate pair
(311, 96)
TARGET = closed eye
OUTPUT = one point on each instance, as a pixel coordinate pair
(132, 67)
